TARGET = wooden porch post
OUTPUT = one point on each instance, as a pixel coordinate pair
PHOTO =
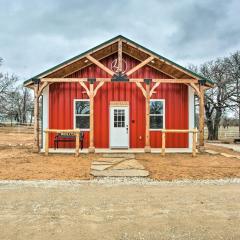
(147, 134)
(201, 117)
(36, 115)
(91, 97)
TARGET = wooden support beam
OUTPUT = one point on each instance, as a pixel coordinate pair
(120, 55)
(59, 80)
(147, 116)
(160, 59)
(46, 142)
(167, 80)
(201, 118)
(195, 88)
(41, 87)
(100, 65)
(76, 130)
(163, 143)
(100, 84)
(77, 144)
(91, 92)
(194, 143)
(175, 80)
(142, 88)
(91, 97)
(85, 87)
(154, 87)
(36, 118)
(193, 131)
(140, 65)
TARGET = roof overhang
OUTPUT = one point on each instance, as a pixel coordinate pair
(129, 47)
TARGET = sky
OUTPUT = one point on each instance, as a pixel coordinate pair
(37, 35)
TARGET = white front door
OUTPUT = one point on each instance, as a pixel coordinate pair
(119, 127)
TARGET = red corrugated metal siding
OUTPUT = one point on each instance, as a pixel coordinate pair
(175, 95)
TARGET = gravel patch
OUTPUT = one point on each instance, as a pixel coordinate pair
(113, 181)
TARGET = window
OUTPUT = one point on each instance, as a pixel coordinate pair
(82, 114)
(157, 113)
(119, 118)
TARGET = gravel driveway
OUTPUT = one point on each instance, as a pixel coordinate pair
(119, 209)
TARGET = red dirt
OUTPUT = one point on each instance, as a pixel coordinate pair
(21, 163)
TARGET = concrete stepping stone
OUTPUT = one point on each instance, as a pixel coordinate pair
(101, 163)
(211, 152)
(110, 160)
(118, 155)
(227, 155)
(128, 164)
(100, 167)
(120, 173)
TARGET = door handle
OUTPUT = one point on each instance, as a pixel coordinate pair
(127, 128)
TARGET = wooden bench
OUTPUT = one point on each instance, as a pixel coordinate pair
(67, 137)
(236, 140)
(75, 133)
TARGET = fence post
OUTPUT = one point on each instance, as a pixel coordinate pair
(163, 142)
(46, 142)
(77, 143)
(194, 143)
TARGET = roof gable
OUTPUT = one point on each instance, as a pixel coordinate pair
(109, 47)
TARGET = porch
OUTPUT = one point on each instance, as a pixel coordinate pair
(108, 150)
(118, 71)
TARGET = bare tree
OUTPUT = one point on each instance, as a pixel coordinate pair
(7, 85)
(16, 102)
(23, 104)
(218, 100)
(234, 73)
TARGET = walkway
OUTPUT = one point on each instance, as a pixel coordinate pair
(118, 165)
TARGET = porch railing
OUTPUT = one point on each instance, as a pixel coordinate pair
(75, 132)
(194, 138)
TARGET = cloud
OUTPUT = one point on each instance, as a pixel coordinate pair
(36, 35)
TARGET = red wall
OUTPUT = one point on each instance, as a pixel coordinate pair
(61, 97)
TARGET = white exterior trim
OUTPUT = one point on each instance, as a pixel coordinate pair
(45, 113)
(164, 116)
(190, 114)
(111, 121)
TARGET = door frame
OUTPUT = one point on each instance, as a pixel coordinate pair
(119, 104)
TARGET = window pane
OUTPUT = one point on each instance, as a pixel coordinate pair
(82, 107)
(82, 122)
(156, 122)
(156, 107)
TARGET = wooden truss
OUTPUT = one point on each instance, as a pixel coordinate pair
(147, 86)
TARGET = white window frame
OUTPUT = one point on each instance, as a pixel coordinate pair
(163, 114)
(74, 113)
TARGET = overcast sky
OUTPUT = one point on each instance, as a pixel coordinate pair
(36, 35)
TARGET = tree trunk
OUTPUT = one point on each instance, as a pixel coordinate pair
(210, 129)
(209, 121)
(217, 123)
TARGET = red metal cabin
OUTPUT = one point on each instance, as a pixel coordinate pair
(121, 95)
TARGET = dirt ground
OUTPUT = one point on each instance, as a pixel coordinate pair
(17, 161)
(95, 211)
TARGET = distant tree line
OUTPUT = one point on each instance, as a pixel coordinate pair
(16, 102)
(222, 103)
